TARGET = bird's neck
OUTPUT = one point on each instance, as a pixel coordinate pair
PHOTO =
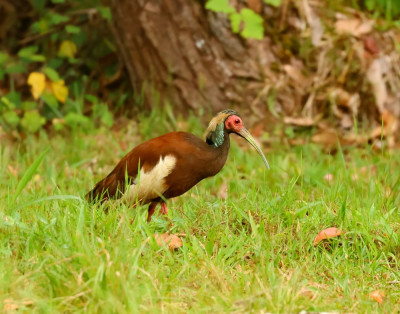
(217, 137)
(218, 148)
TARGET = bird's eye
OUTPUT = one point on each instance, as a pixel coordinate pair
(237, 121)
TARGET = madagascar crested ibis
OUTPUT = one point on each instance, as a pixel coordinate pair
(170, 165)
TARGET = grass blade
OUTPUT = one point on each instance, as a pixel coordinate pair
(50, 198)
(28, 175)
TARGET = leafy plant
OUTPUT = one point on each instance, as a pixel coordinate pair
(390, 9)
(53, 55)
(246, 22)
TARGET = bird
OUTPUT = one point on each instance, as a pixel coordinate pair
(169, 165)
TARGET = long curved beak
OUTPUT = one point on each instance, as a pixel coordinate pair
(247, 136)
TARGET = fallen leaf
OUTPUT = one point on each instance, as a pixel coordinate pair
(60, 91)
(387, 130)
(37, 81)
(258, 130)
(345, 101)
(355, 27)
(305, 122)
(326, 137)
(377, 295)
(327, 234)
(170, 240)
(223, 191)
(328, 177)
(295, 74)
(255, 5)
(370, 45)
(12, 305)
(375, 77)
(12, 170)
(317, 28)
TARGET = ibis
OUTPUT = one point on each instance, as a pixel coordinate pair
(170, 165)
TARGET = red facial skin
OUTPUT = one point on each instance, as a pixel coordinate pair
(233, 124)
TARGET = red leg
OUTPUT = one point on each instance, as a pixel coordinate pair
(164, 208)
(151, 210)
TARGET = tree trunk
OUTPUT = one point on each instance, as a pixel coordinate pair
(187, 54)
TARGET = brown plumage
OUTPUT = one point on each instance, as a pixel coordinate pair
(170, 165)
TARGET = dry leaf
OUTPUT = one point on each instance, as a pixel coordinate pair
(258, 130)
(370, 45)
(223, 191)
(388, 130)
(60, 91)
(375, 77)
(317, 29)
(326, 137)
(37, 81)
(12, 305)
(295, 74)
(13, 171)
(346, 100)
(377, 295)
(328, 177)
(170, 240)
(327, 234)
(255, 5)
(306, 122)
(355, 27)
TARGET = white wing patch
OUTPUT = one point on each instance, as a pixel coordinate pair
(149, 185)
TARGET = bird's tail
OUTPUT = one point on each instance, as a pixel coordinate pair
(103, 190)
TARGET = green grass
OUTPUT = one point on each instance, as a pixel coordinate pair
(251, 252)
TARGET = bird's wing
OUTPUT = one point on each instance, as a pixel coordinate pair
(145, 156)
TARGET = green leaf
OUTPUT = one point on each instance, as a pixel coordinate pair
(101, 111)
(219, 6)
(67, 49)
(93, 99)
(253, 24)
(28, 175)
(235, 19)
(15, 68)
(3, 57)
(15, 98)
(55, 63)
(29, 105)
(32, 121)
(38, 4)
(58, 1)
(41, 26)
(50, 100)
(7, 102)
(105, 13)
(72, 29)
(370, 4)
(29, 54)
(11, 118)
(28, 51)
(275, 3)
(74, 120)
(51, 74)
(56, 18)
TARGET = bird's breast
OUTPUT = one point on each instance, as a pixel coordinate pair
(150, 183)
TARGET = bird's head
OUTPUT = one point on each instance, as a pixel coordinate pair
(228, 121)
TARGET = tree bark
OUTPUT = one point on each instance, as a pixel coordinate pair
(187, 54)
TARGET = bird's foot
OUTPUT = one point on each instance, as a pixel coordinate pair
(164, 208)
(151, 210)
